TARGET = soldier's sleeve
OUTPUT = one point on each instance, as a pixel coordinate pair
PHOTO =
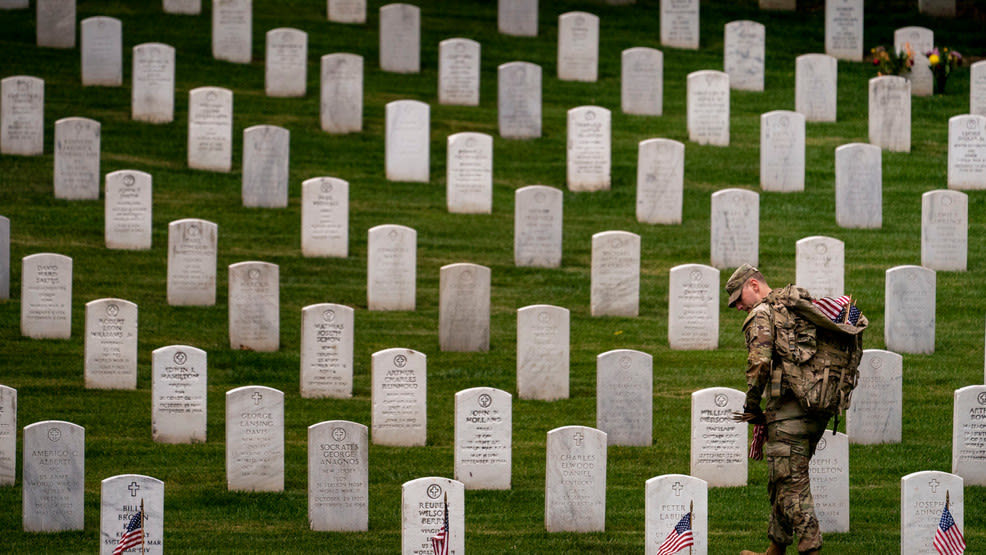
(759, 335)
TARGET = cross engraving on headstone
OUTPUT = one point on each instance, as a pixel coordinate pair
(257, 397)
(933, 484)
(578, 439)
(133, 487)
(677, 487)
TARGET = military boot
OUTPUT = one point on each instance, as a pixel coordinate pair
(774, 549)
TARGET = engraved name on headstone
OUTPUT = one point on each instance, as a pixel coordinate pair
(111, 344)
(178, 394)
(615, 276)
(625, 396)
(578, 46)
(859, 186)
(969, 434)
(56, 23)
(286, 62)
(735, 228)
(469, 175)
(46, 296)
(642, 81)
(54, 477)
(102, 51)
(192, 250)
(346, 11)
(575, 480)
(22, 115)
(679, 23)
(458, 72)
(877, 402)
(266, 155)
(123, 496)
(919, 40)
(423, 505)
(464, 308)
(338, 476)
(828, 473)
(693, 307)
(666, 499)
(391, 274)
(967, 152)
(816, 80)
(232, 30)
(538, 226)
(844, 29)
(589, 156)
(407, 144)
(254, 439)
(820, 265)
(542, 352)
(483, 438)
(745, 50)
(254, 306)
(128, 210)
(519, 100)
(922, 501)
(909, 318)
(708, 107)
(660, 181)
(327, 350)
(890, 113)
(718, 443)
(399, 397)
(77, 153)
(341, 106)
(152, 95)
(325, 217)
(400, 38)
(944, 230)
(210, 129)
(782, 151)
(8, 435)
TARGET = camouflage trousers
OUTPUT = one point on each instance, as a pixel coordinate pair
(789, 447)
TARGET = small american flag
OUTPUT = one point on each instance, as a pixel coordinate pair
(948, 537)
(679, 538)
(759, 437)
(134, 534)
(440, 541)
(835, 308)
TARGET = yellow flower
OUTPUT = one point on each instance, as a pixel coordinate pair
(934, 59)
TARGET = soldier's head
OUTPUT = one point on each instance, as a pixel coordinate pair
(746, 287)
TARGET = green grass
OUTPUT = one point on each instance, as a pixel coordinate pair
(202, 516)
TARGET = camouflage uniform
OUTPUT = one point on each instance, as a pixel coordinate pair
(791, 438)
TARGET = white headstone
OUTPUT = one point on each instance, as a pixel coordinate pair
(4, 257)
(693, 307)
(8, 435)
(615, 287)
(469, 174)
(400, 38)
(735, 228)
(152, 95)
(977, 88)
(232, 30)
(660, 181)
(859, 186)
(254, 439)
(816, 81)
(123, 496)
(286, 62)
(919, 40)
(483, 438)
(844, 29)
(210, 129)
(464, 308)
(578, 47)
(922, 501)
(538, 226)
(575, 480)
(77, 153)
(642, 81)
(458, 72)
(519, 100)
(517, 17)
(666, 499)
(399, 397)
(745, 49)
(782, 151)
(718, 444)
(346, 11)
(679, 23)
(944, 230)
(54, 477)
(820, 265)
(391, 274)
(779, 5)
(111, 344)
(187, 7)
(542, 352)
(327, 351)
(408, 141)
(625, 397)
(192, 249)
(708, 107)
(56, 23)
(968, 431)
(941, 8)
(254, 306)
(890, 113)
(967, 152)
(338, 477)
(22, 115)
(128, 210)
(423, 505)
(877, 402)
(341, 108)
(46, 296)
(828, 473)
(325, 217)
(589, 156)
(178, 394)
(266, 155)
(14, 4)
(909, 319)
(102, 51)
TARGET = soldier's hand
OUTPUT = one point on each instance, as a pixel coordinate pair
(749, 417)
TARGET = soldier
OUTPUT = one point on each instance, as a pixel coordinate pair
(792, 434)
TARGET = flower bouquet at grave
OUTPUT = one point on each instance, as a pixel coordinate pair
(942, 63)
(892, 62)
